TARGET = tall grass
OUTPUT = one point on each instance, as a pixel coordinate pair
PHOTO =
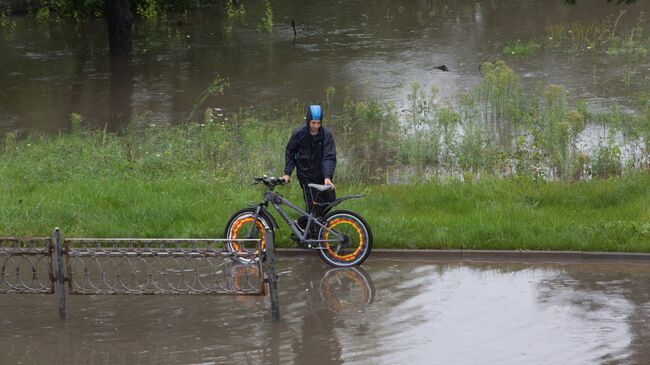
(600, 36)
(502, 129)
(500, 150)
(498, 129)
(606, 38)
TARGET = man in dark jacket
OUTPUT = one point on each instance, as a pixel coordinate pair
(312, 152)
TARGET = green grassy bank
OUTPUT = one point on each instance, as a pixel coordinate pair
(612, 215)
(502, 169)
(90, 189)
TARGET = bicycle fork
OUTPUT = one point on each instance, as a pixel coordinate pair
(254, 223)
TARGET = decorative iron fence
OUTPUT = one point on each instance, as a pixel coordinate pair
(26, 265)
(104, 266)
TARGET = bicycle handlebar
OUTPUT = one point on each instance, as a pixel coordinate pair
(269, 181)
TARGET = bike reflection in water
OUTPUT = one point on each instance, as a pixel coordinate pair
(347, 290)
(317, 305)
(332, 304)
(342, 290)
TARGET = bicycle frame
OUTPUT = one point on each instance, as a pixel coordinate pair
(277, 201)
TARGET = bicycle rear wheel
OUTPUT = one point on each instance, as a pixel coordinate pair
(357, 245)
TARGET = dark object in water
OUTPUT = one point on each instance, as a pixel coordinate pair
(442, 68)
(293, 25)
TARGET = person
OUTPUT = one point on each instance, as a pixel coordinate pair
(311, 150)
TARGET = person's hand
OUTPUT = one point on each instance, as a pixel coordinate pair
(328, 182)
(285, 178)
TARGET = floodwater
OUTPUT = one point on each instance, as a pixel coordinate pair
(388, 312)
(363, 49)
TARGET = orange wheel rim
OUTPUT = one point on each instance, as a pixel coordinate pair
(238, 225)
(335, 303)
(362, 241)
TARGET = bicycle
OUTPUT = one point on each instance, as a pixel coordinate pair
(342, 238)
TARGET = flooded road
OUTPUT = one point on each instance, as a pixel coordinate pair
(363, 49)
(389, 312)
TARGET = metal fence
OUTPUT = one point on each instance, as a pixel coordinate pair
(105, 266)
(26, 265)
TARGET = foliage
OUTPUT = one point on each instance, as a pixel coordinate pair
(500, 129)
(603, 36)
(79, 10)
(499, 94)
(217, 87)
(266, 22)
(7, 24)
(149, 10)
(606, 161)
(329, 96)
(367, 130)
(235, 11)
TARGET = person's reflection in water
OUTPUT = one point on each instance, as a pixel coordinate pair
(343, 292)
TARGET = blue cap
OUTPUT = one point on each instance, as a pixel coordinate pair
(314, 112)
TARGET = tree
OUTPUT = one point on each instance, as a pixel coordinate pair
(120, 21)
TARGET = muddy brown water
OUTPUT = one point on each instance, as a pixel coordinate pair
(389, 312)
(364, 49)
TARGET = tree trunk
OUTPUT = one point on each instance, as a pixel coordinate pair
(120, 20)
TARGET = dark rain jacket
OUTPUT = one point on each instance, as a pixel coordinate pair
(314, 157)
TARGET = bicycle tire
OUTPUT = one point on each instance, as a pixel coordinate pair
(361, 238)
(238, 220)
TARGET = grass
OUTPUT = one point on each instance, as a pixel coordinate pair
(520, 48)
(185, 181)
(604, 36)
(503, 129)
(601, 215)
(606, 215)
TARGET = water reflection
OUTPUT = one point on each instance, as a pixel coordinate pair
(346, 290)
(388, 312)
(121, 90)
(605, 296)
(364, 49)
(484, 314)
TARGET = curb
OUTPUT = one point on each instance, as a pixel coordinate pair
(512, 255)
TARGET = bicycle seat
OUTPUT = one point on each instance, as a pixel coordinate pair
(320, 187)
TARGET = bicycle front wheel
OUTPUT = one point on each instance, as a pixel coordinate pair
(239, 226)
(357, 242)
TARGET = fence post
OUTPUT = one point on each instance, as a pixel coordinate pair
(60, 276)
(273, 277)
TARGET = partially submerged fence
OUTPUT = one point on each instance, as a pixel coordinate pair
(102, 266)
